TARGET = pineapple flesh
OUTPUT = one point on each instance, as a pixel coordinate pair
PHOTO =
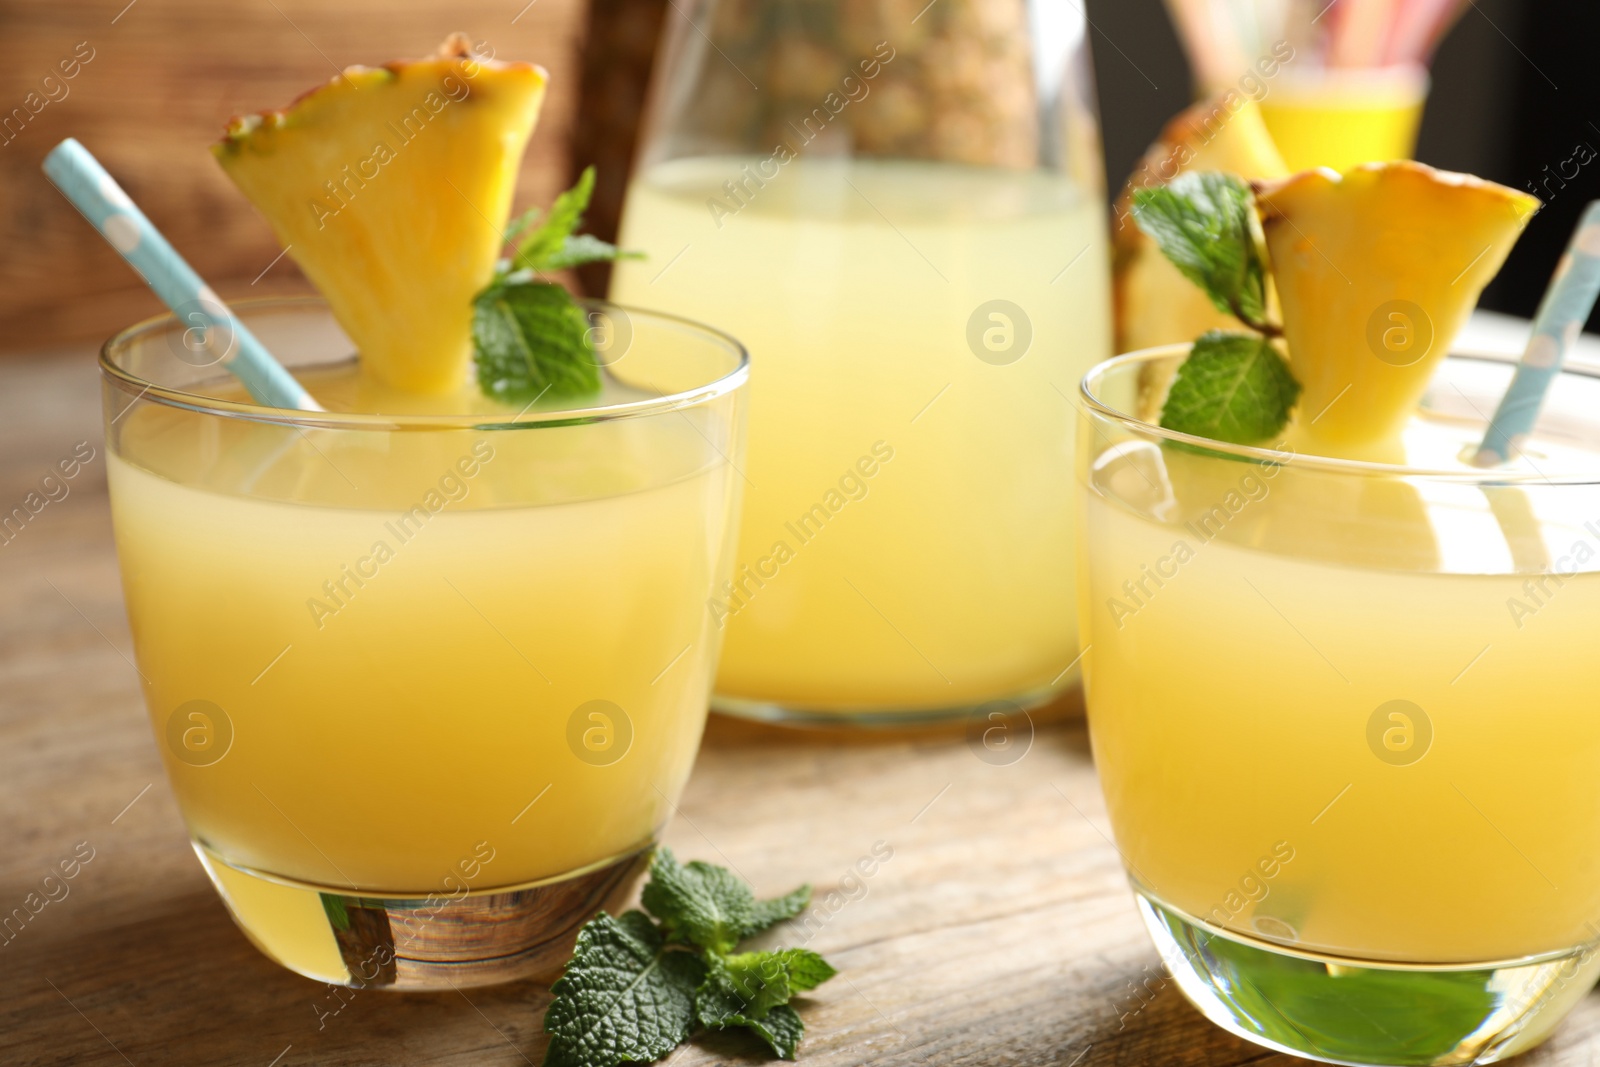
(1376, 272)
(391, 187)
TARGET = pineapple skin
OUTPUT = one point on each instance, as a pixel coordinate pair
(1376, 272)
(391, 187)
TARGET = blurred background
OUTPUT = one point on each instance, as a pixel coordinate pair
(154, 82)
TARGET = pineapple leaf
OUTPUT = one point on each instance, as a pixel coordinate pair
(1202, 223)
(1233, 387)
(531, 339)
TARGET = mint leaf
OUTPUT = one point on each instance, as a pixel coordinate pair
(517, 226)
(636, 988)
(752, 990)
(806, 969)
(750, 984)
(781, 1029)
(700, 903)
(1233, 387)
(768, 912)
(585, 248)
(544, 239)
(746, 985)
(1202, 223)
(625, 996)
(532, 339)
(718, 1007)
(550, 244)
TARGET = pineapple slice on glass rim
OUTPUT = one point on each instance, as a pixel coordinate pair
(391, 187)
(1376, 271)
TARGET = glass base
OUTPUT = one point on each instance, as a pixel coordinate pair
(439, 941)
(1366, 1013)
(884, 718)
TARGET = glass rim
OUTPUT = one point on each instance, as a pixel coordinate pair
(1488, 476)
(170, 396)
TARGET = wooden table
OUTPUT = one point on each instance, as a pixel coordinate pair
(1000, 932)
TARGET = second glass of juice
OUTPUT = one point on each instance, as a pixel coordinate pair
(1343, 716)
(903, 218)
(429, 682)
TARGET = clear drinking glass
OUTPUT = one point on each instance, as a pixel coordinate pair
(1342, 118)
(1342, 713)
(426, 685)
(899, 207)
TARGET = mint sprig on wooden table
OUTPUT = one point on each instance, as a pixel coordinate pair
(641, 984)
(530, 339)
(1235, 386)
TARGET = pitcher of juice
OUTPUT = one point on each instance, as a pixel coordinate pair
(899, 207)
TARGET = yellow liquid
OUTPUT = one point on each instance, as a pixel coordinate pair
(1346, 119)
(944, 576)
(1269, 617)
(421, 717)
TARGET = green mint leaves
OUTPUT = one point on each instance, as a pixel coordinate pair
(1202, 223)
(752, 990)
(768, 912)
(551, 244)
(625, 996)
(637, 987)
(700, 903)
(529, 337)
(1234, 387)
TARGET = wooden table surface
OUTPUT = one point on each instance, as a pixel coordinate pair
(1001, 931)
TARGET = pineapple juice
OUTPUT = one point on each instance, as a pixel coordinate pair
(1350, 716)
(417, 663)
(907, 532)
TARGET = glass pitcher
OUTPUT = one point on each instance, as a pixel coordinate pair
(899, 207)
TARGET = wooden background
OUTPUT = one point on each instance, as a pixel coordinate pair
(165, 77)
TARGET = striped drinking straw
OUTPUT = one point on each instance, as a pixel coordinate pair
(1562, 313)
(82, 180)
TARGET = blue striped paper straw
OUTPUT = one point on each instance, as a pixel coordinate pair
(1562, 313)
(82, 180)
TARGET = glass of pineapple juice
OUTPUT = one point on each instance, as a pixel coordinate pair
(1343, 118)
(1342, 714)
(427, 683)
(919, 267)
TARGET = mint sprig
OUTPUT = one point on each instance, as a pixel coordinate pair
(752, 990)
(530, 339)
(639, 985)
(625, 995)
(1202, 222)
(552, 244)
(1234, 386)
(699, 903)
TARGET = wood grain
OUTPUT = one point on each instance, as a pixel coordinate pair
(164, 78)
(1000, 932)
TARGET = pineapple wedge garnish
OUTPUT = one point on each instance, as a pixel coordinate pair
(390, 187)
(1376, 272)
